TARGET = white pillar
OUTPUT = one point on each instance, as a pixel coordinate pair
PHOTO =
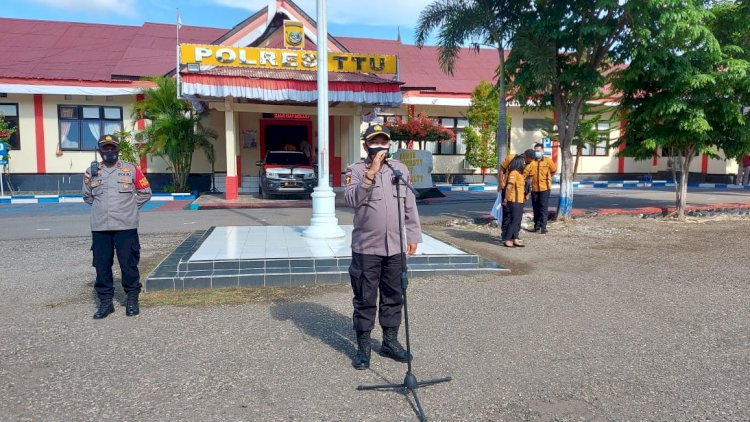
(231, 188)
(323, 223)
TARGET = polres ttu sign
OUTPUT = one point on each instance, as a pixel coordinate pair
(270, 58)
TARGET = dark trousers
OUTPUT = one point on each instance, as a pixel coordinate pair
(540, 203)
(104, 244)
(506, 217)
(370, 274)
(515, 213)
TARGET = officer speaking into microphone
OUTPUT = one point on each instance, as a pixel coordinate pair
(116, 190)
(376, 252)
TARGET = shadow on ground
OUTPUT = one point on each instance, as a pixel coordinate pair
(320, 322)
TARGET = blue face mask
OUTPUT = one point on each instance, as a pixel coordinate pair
(538, 154)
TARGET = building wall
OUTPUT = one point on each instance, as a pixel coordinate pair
(346, 130)
(24, 160)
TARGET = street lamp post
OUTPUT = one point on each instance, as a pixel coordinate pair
(323, 224)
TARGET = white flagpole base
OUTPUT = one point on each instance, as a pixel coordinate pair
(323, 224)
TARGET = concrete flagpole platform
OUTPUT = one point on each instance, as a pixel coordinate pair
(281, 256)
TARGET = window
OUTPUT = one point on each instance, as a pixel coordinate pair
(82, 126)
(10, 115)
(532, 125)
(602, 147)
(457, 147)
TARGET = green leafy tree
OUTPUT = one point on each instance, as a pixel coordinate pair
(729, 24)
(174, 130)
(475, 23)
(681, 93)
(480, 136)
(129, 150)
(561, 54)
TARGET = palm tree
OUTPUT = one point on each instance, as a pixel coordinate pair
(475, 23)
(174, 130)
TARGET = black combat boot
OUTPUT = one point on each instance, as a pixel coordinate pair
(105, 308)
(362, 358)
(131, 308)
(391, 348)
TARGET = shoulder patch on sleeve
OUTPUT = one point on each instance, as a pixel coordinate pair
(139, 179)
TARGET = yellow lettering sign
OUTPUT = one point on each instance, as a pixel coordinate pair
(267, 58)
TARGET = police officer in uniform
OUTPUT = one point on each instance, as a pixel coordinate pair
(376, 252)
(116, 190)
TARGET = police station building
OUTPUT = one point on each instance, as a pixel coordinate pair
(63, 84)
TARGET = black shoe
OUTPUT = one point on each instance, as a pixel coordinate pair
(131, 308)
(391, 348)
(362, 359)
(543, 231)
(537, 230)
(104, 310)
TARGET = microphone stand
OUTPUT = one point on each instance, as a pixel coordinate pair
(410, 380)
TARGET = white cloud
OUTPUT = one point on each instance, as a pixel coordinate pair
(379, 13)
(120, 7)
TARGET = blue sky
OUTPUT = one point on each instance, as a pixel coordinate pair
(372, 19)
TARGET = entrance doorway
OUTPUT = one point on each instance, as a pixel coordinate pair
(286, 135)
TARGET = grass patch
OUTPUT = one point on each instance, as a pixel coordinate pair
(231, 296)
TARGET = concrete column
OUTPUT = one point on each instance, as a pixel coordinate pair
(323, 223)
(231, 145)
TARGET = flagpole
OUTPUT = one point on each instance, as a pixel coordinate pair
(177, 64)
(323, 224)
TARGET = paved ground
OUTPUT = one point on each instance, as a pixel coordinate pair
(612, 318)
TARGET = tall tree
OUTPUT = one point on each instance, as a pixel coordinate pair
(476, 23)
(681, 93)
(174, 130)
(481, 144)
(559, 60)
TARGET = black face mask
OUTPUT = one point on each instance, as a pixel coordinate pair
(110, 157)
(373, 151)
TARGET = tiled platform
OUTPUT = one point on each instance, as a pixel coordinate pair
(258, 256)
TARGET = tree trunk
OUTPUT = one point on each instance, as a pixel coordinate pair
(565, 204)
(502, 126)
(568, 115)
(681, 189)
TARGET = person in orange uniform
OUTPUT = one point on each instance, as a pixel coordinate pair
(527, 157)
(515, 196)
(540, 173)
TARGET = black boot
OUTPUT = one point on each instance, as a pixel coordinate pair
(362, 358)
(391, 348)
(131, 308)
(105, 308)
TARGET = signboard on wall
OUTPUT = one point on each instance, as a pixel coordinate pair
(547, 145)
(419, 163)
(272, 58)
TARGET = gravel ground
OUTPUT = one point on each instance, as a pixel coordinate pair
(602, 319)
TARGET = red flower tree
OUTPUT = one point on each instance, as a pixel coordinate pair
(419, 129)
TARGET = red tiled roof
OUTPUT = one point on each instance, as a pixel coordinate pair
(38, 49)
(152, 50)
(420, 69)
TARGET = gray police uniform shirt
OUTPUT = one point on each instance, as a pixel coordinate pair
(115, 194)
(376, 210)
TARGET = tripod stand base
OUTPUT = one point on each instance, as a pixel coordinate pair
(410, 383)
